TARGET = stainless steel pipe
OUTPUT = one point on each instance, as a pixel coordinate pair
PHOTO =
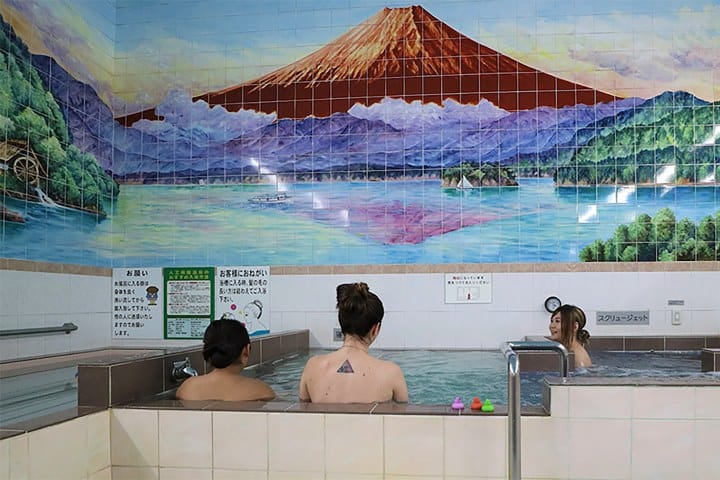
(64, 328)
(510, 350)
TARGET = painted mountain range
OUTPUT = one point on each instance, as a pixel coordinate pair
(399, 53)
(390, 136)
(393, 137)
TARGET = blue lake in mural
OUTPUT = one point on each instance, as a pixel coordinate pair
(327, 223)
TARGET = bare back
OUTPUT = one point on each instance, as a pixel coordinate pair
(582, 357)
(222, 385)
(351, 375)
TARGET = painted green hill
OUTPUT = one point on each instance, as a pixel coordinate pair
(658, 238)
(668, 139)
(36, 152)
(490, 174)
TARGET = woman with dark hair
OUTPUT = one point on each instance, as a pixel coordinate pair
(567, 326)
(350, 374)
(226, 346)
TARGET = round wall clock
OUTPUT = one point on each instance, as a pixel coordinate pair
(552, 304)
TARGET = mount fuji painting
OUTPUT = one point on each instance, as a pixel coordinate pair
(397, 140)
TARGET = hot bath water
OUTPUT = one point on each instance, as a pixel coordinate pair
(436, 377)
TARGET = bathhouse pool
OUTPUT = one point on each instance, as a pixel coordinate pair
(436, 377)
(31, 395)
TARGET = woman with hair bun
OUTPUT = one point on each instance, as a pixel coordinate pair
(226, 346)
(350, 374)
(567, 326)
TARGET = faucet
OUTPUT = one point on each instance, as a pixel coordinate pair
(182, 370)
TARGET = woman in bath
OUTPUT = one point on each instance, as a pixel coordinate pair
(567, 326)
(226, 346)
(350, 374)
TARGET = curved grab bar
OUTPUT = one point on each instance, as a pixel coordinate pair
(64, 328)
(510, 350)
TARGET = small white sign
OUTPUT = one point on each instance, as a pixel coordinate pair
(137, 303)
(640, 317)
(243, 293)
(468, 288)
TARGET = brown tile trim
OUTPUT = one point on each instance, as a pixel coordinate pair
(547, 267)
(50, 267)
(352, 408)
(684, 343)
(645, 343)
(710, 359)
(52, 419)
(606, 343)
(500, 268)
(93, 386)
(7, 433)
(271, 348)
(136, 380)
(661, 343)
(705, 381)
(543, 361)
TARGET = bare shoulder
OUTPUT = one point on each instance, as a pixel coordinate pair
(391, 368)
(582, 358)
(188, 388)
(261, 390)
(316, 361)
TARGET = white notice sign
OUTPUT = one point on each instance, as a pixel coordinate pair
(468, 288)
(243, 293)
(137, 303)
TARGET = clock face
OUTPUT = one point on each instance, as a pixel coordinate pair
(552, 304)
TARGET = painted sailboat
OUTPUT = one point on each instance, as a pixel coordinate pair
(464, 184)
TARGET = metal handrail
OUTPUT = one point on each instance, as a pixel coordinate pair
(510, 350)
(64, 328)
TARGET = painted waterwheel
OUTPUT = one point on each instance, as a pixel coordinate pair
(26, 169)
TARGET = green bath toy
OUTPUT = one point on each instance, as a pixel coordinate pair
(488, 406)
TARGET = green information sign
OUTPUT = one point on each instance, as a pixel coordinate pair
(189, 301)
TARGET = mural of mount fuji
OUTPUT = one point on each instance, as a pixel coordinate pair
(399, 53)
(431, 122)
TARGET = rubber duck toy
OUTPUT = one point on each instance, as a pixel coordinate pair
(476, 404)
(488, 406)
(457, 404)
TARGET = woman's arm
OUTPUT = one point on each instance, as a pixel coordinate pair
(304, 393)
(400, 390)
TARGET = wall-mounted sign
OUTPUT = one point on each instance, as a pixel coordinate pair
(137, 311)
(468, 288)
(189, 301)
(243, 293)
(623, 318)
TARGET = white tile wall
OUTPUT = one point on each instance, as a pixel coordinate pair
(341, 457)
(40, 299)
(134, 436)
(635, 444)
(290, 452)
(369, 447)
(76, 449)
(416, 313)
(186, 439)
(251, 452)
(663, 449)
(414, 445)
(415, 305)
(599, 448)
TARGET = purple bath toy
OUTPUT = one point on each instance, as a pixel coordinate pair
(457, 404)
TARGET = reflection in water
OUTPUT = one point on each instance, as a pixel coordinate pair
(402, 222)
(621, 195)
(666, 174)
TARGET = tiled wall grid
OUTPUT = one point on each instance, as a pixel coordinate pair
(416, 313)
(597, 432)
(139, 57)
